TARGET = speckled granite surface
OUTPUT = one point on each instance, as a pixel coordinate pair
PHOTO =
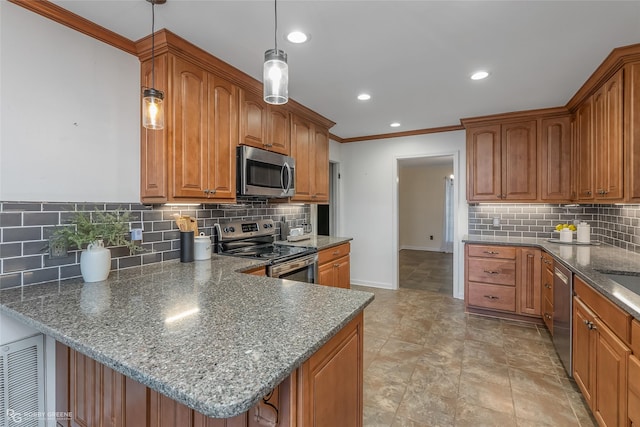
(240, 335)
(317, 242)
(588, 262)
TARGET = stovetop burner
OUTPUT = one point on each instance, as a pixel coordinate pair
(254, 239)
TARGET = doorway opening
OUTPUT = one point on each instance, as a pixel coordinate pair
(328, 214)
(426, 217)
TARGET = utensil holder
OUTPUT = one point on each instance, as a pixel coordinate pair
(186, 246)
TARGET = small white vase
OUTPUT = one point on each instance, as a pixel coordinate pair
(95, 262)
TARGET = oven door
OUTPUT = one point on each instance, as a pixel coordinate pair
(303, 269)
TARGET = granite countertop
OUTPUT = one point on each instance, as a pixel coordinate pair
(317, 242)
(200, 333)
(588, 261)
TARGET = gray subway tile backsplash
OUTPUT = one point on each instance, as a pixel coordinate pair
(25, 226)
(617, 225)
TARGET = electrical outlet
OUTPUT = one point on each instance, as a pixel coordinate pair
(136, 234)
(57, 248)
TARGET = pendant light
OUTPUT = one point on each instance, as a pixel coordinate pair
(275, 76)
(152, 108)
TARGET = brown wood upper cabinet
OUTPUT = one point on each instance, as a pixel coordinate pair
(632, 131)
(262, 125)
(555, 154)
(502, 162)
(197, 162)
(310, 149)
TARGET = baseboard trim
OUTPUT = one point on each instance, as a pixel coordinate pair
(421, 248)
(380, 285)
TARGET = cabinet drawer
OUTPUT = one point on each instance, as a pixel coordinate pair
(503, 252)
(333, 253)
(634, 390)
(635, 338)
(616, 319)
(501, 272)
(495, 297)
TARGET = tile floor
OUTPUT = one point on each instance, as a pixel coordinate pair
(427, 363)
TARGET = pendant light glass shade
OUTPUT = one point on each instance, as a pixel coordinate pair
(152, 109)
(276, 77)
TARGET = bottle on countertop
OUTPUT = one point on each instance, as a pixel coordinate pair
(584, 233)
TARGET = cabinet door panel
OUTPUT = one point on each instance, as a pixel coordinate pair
(189, 135)
(301, 151)
(253, 116)
(326, 275)
(321, 166)
(612, 357)
(484, 175)
(279, 133)
(530, 276)
(583, 351)
(519, 161)
(555, 159)
(612, 154)
(343, 272)
(153, 150)
(223, 137)
(632, 130)
(584, 148)
(633, 382)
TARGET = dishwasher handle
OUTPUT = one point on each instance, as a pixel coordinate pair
(560, 275)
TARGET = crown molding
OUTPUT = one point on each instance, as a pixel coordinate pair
(400, 134)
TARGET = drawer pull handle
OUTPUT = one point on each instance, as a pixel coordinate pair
(336, 253)
(548, 286)
(491, 297)
(491, 252)
(547, 316)
(491, 272)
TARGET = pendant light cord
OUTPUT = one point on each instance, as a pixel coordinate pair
(153, 45)
(275, 31)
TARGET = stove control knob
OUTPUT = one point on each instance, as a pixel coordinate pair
(232, 229)
(266, 226)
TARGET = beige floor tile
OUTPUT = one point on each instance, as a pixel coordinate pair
(523, 345)
(384, 392)
(474, 370)
(474, 350)
(436, 380)
(486, 395)
(405, 422)
(385, 366)
(376, 417)
(401, 350)
(488, 336)
(439, 344)
(530, 362)
(410, 334)
(469, 415)
(522, 331)
(543, 409)
(430, 409)
(535, 382)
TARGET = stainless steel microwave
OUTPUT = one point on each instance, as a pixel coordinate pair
(263, 173)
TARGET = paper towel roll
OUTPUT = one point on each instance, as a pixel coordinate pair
(584, 233)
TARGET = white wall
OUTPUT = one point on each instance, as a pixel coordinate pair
(369, 203)
(421, 206)
(69, 114)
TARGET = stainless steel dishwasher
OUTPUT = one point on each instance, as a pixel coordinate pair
(562, 314)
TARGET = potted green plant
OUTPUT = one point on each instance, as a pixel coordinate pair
(89, 232)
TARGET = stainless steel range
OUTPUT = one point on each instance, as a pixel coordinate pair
(256, 239)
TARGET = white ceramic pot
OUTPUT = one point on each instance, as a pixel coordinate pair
(202, 247)
(95, 262)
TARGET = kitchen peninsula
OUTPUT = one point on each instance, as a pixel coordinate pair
(203, 335)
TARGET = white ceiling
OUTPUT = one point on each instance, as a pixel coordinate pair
(413, 57)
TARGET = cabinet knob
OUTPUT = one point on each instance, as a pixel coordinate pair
(336, 265)
(548, 286)
(588, 193)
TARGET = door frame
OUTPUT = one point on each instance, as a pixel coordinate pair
(458, 274)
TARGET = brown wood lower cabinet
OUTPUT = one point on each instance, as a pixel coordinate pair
(503, 281)
(600, 357)
(326, 391)
(634, 391)
(334, 266)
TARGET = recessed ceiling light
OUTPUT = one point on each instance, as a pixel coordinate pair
(479, 75)
(364, 97)
(297, 37)
(395, 125)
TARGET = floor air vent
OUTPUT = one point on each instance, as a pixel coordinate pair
(22, 383)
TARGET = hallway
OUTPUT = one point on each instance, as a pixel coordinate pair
(426, 270)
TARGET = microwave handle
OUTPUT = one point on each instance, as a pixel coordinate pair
(288, 169)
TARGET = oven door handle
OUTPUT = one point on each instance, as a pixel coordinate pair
(292, 265)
